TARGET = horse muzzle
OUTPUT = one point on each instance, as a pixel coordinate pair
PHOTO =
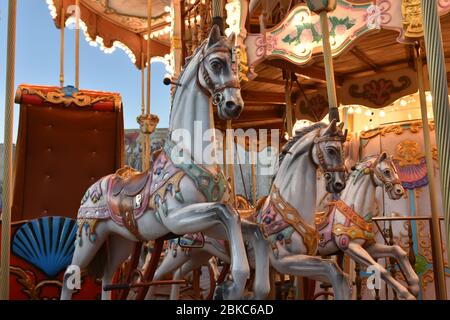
(232, 110)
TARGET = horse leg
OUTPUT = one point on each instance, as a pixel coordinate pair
(261, 249)
(168, 265)
(85, 250)
(357, 253)
(197, 260)
(213, 219)
(118, 249)
(315, 268)
(378, 250)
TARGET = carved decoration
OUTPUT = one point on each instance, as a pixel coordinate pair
(68, 97)
(408, 153)
(148, 123)
(379, 91)
(28, 281)
(397, 129)
(412, 18)
(312, 107)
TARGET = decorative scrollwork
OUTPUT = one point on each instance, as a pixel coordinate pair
(408, 153)
(379, 91)
(413, 127)
(28, 280)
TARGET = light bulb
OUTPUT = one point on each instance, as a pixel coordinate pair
(351, 110)
(382, 114)
(403, 103)
(358, 110)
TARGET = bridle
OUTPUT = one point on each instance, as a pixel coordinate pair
(326, 170)
(374, 172)
(215, 91)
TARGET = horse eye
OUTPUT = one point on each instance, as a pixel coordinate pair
(216, 65)
(331, 151)
(387, 173)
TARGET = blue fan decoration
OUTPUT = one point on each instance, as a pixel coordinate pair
(46, 243)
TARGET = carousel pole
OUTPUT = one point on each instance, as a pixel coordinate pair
(77, 43)
(143, 141)
(322, 7)
(441, 108)
(436, 241)
(8, 161)
(148, 141)
(217, 14)
(63, 28)
(230, 159)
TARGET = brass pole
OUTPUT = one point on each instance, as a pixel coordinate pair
(230, 159)
(63, 27)
(436, 241)
(148, 141)
(441, 108)
(77, 43)
(329, 69)
(8, 161)
(253, 154)
(289, 117)
(143, 136)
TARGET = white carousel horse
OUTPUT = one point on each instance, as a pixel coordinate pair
(170, 200)
(287, 216)
(347, 225)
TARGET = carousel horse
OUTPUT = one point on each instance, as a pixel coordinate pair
(287, 216)
(170, 200)
(347, 224)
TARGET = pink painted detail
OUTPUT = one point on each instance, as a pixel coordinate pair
(326, 232)
(413, 176)
(443, 5)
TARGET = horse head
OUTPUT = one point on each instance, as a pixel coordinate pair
(327, 154)
(384, 174)
(218, 74)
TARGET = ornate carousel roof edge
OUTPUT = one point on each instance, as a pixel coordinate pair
(131, 42)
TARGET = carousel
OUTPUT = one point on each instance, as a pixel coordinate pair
(307, 155)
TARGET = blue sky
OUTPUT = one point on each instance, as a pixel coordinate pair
(37, 62)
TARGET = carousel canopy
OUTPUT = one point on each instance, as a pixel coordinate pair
(120, 24)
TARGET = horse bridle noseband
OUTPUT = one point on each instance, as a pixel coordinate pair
(374, 172)
(215, 91)
(327, 171)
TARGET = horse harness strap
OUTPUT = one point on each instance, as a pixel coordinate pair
(215, 90)
(320, 156)
(374, 172)
(292, 217)
(357, 226)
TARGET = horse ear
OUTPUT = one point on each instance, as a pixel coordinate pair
(383, 156)
(232, 39)
(214, 35)
(341, 126)
(331, 130)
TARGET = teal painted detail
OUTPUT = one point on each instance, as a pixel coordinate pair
(213, 187)
(286, 234)
(179, 197)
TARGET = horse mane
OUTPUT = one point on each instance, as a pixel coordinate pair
(299, 134)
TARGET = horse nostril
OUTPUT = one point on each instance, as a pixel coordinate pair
(338, 186)
(233, 107)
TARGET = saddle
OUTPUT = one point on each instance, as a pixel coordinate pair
(128, 197)
(131, 185)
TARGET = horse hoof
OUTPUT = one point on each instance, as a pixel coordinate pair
(222, 291)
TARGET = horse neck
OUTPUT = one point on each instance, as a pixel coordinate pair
(360, 195)
(192, 111)
(296, 180)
